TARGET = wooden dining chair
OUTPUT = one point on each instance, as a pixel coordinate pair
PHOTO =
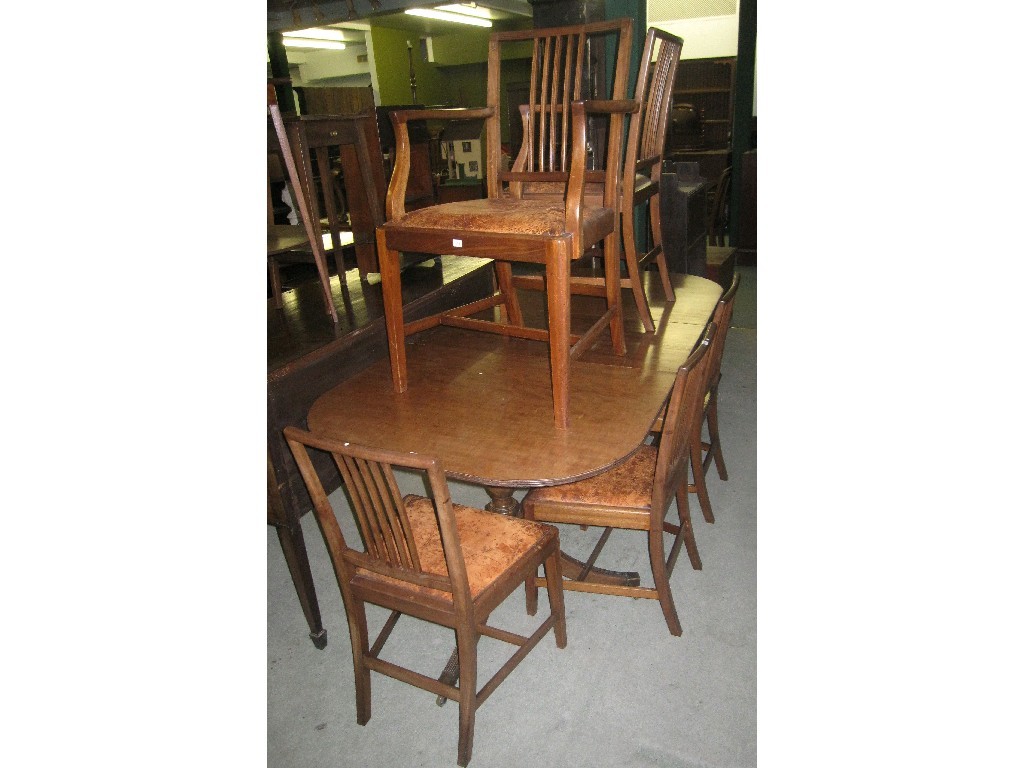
(429, 558)
(720, 257)
(635, 495)
(288, 238)
(645, 147)
(703, 452)
(509, 227)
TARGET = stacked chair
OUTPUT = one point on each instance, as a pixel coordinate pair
(643, 162)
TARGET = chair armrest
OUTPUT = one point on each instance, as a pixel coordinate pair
(395, 201)
(574, 197)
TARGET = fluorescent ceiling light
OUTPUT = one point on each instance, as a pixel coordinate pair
(317, 33)
(468, 9)
(298, 42)
(458, 18)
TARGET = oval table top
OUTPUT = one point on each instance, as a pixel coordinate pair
(482, 404)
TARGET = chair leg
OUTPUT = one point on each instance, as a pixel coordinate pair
(656, 547)
(699, 486)
(556, 597)
(556, 273)
(633, 270)
(530, 585)
(275, 281)
(503, 273)
(613, 292)
(360, 649)
(660, 260)
(391, 289)
(716, 443)
(467, 643)
(686, 529)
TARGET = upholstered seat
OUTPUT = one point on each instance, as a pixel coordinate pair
(530, 217)
(628, 485)
(491, 544)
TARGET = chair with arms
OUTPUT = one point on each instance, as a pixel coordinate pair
(636, 494)
(645, 146)
(511, 227)
(428, 558)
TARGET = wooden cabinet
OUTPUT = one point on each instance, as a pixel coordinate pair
(707, 84)
(700, 130)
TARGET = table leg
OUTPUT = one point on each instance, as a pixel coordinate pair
(293, 546)
(502, 501)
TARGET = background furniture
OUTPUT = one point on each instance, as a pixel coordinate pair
(508, 227)
(746, 243)
(684, 205)
(703, 95)
(285, 238)
(721, 257)
(447, 564)
(343, 141)
(635, 495)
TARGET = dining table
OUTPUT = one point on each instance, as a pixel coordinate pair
(481, 404)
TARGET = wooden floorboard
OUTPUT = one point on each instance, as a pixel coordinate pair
(303, 327)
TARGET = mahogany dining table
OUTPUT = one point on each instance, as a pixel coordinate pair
(481, 403)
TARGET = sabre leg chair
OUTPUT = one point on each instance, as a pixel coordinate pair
(713, 447)
(635, 495)
(703, 452)
(510, 227)
(429, 558)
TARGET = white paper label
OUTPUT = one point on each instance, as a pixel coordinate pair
(456, 243)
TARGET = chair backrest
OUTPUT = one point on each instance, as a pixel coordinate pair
(566, 63)
(279, 146)
(645, 145)
(685, 406)
(718, 214)
(722, 318)
(380, 513)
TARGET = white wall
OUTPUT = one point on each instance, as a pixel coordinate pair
(705, 38)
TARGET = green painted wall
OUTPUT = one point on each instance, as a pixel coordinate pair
(391, 55)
